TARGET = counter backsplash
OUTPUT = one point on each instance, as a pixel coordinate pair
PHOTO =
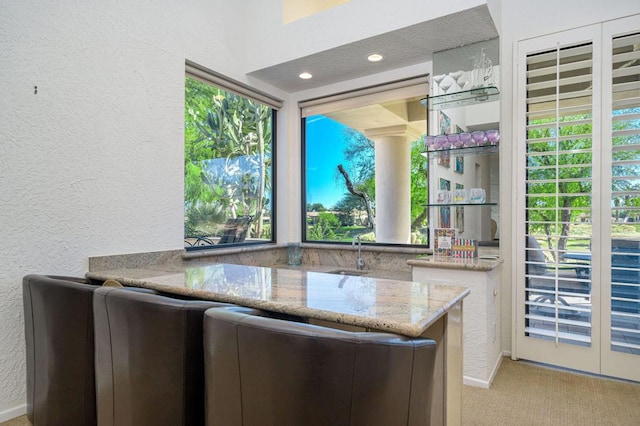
(275, 255)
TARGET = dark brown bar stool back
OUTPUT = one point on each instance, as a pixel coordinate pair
(58, 322)
(264, 371)
(149, 359)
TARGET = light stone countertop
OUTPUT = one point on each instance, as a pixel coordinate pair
(486, 264)
(395, 306)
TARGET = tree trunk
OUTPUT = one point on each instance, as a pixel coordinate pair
(418, 220)
(262, 183)
(565, 219)
(547, 231)
(361, 194)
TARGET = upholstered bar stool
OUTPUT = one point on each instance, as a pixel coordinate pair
(58, 322)
(149, 359)
(265, 371)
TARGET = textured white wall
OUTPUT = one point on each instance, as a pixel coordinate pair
(93, 163)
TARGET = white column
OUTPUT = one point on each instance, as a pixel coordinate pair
(393, 182)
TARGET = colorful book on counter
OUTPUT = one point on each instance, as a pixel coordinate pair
(464, 248)
(443, 240)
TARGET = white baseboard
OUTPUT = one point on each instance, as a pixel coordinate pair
(12, 413)
(496, 367)
(485, 384)
(476, 383)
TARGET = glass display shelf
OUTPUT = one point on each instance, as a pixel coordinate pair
(474, 150)
(462, 98)
(459, 204)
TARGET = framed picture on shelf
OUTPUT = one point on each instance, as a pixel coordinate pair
(445, 217)
(445, 123)
(445, 184)
(459, 164)
(444, 159)
(460, 212)
(445, 211)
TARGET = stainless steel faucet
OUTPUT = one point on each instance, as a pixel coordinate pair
(359, 261)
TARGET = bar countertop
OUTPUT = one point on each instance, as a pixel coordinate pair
(401, 307)
(482, 264)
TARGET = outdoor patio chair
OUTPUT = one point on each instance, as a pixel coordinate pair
(542, 277)
(236, 229)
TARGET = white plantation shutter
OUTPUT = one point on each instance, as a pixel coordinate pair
(559, 172)
(625, 194)
(578, 198)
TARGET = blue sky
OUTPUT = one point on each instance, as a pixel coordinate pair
(325, 143)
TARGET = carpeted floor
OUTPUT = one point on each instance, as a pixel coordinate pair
(526, 394)
(20, 421)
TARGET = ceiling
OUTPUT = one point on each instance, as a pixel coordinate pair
(401, 48)
(408, 113)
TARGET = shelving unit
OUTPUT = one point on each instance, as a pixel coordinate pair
(474, 150)
(460, 204)
(462, 98)
(477, 109)
(447, 171)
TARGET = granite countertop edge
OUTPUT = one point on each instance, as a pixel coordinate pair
(477, 264)
(142, 277)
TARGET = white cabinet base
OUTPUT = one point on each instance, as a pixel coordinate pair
(482, 345)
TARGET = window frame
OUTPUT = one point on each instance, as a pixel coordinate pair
(209, 77)
(346, 100)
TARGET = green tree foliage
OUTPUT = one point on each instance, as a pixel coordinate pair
(419, 185)
(560, 167)
(316, 207)
(326, 228)
(565, 168)
(361, 157)
(233, 131)
(626, 173)
(351, 211)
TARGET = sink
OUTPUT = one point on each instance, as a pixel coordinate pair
(354, 272)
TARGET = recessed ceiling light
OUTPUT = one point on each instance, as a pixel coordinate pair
(305, 76)
(375, 57)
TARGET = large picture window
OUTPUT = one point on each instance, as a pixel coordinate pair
(364, 175)
(229, 170)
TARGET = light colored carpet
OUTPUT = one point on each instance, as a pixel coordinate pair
(524, 394)
(19, 421)
(527, 394)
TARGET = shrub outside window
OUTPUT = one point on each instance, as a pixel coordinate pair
(229, 170)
